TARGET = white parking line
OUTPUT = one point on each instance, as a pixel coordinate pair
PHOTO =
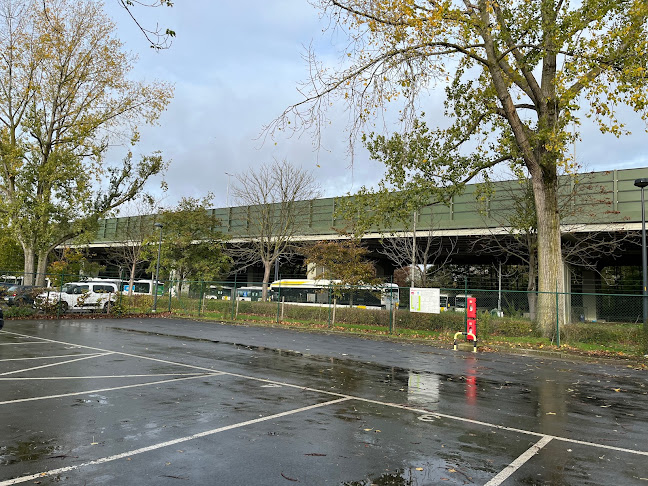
(54, 472)
(55, 364)
(519, 462)
(87, 392)
(14, 344)
(22, 378)
(48, 357)
(367, 400)
(45, 341)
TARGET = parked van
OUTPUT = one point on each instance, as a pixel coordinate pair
(83, 295)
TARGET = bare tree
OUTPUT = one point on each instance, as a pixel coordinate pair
(422, 252)
(277, 197)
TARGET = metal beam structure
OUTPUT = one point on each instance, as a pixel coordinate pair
(607, 201)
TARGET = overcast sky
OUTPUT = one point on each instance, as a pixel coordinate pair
(236, 66)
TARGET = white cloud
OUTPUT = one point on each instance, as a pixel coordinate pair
(236, 66)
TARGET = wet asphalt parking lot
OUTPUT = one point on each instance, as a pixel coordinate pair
(170, 402)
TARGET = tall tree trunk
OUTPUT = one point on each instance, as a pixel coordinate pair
(132, 279)
(532, 288)
(30, 262)
(267, 269)
(41, 269)
(550, 264)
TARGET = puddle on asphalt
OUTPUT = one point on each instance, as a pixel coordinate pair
(32, 450)
(533, 386)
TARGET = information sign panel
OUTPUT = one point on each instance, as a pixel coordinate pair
(425, 300)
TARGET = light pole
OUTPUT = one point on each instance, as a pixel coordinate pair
(228, 185)
(642, 183)
(157, 268)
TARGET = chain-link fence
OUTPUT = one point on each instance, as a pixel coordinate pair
(502, 315)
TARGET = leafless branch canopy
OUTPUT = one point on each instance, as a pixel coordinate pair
(278, 200)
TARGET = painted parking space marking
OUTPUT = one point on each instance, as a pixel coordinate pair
(101, 350)
(56, 364)
(48, 357)
(54, 472)
(22, 378)
(519, 462)
(24, 342)
(88, 392)
(367, 400)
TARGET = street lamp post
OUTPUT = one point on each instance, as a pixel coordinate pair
(228, 186)
(642, 183)
(157, 268)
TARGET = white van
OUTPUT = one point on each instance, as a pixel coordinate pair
(84, 295)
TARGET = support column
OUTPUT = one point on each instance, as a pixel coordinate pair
(589, 301)
(567, 313)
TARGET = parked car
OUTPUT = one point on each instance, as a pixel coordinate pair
(1, 319)
(83, 295)
(22, 294)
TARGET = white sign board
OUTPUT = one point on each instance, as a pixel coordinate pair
(425, 300)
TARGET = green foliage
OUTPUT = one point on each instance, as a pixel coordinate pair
(54, 181)
(118, 308)
(70, 266)
(343, 260)
(11, 254)
(452, 321)
(49, 308)
(602, 334)
(190, 246)
(518, 75)
(18, 311)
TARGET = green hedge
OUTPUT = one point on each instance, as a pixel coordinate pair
(18, 311)
(603, 334)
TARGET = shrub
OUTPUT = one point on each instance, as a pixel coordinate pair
(141, 302)
(602, 334)
(445, 321)
(511, 327)
(19, 311)
(118, 308)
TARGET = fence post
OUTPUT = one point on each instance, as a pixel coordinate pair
(557, 318)
(201, 298)
(329, 305)
(234, 299)
(60, 297)
(391, 306)
(170, 290)
(279, 305)
(120, 288)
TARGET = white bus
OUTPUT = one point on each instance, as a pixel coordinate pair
(140, 286)
(321, 292)
(250, 294)
(218, 292)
